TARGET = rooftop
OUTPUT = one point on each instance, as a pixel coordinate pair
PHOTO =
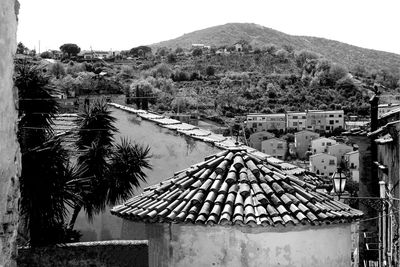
(235, 188)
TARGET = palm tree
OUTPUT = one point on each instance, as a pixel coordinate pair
(114, 169)
(47, 181)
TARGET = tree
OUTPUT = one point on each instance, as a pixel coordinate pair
(47, 182)
(197, 52)
(141, 51)
(210, 70)
(171, 58)
(70, 49)
(46, 54)
(113, 169)
(179, 50)
(57, 69)
(21, 48)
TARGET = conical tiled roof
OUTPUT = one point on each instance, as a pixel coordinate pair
(234, 187)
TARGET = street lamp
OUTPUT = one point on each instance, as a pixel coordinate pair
(339, 182)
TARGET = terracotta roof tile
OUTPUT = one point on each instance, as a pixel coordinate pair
(233, 187)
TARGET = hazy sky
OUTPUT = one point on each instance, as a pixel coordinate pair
(123, 24)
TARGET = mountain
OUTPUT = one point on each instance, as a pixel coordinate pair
(258, 36)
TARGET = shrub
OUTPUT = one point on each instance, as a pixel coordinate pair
(210, 70)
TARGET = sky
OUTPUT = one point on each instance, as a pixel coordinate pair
(123, 24)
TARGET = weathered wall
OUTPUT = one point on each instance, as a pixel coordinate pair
(94, 254)
(368, 187)
(194, 245)
(171, 152)
(9, 149)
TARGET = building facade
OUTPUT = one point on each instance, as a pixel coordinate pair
(339, 150)
(302, 142)
(266, 122)
(353, 163)
(296, 121)
(255, 139)
(10, 156)
(323, 164)
(320, 145)
(324, 121)
(385, 108)
(275, 147)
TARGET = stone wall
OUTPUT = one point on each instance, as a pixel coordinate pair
(9, 148)
(94, 254)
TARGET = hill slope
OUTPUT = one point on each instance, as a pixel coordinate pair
(258, 36)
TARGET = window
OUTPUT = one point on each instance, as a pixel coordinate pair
(279, 146)
(331, 122)
(331, 162)
(329, 144)
(260, 124)
(295, 117)
(327, 128)
(273, 151)
(330, 174)
(324, 167)
(322, 160)
(254, 125)
(331, 116)
(323, 144)
(300, 122)
(340, 115)
(294, 123)
(304, 117)
(337, 121)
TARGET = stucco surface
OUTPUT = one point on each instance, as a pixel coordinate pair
(9, 149)
(217, 246)
(194, 245)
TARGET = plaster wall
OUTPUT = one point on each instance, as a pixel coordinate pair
(303, 142)
(9, 148)
(194, 245)
(170, 151)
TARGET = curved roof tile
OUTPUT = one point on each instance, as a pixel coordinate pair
(230, 188)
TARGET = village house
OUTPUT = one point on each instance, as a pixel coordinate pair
(320, 145)
(274, 147)
(266, 122)
(323, 164)
(352, 163)
(324, 121)
(255, 139)
(385, 108)
(302, 142)
(232, 210)
(296, 121)
(238, 47)
(338, 150)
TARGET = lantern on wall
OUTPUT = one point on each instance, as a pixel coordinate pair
(339, 182)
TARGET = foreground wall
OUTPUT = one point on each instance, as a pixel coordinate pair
(94, 254)
(195, 245)
(9, 149)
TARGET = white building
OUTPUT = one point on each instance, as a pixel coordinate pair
(323, 164)
(275, 147)
(320, 145)
(302, 141)
(266, 122)
(324, 121)
(338, 150)
(385, 108)
(352, 161)
(296, 120)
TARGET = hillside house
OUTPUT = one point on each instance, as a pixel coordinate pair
(323, 164)
(338, 150)
(238, 47)
(275, 147)
(324, 121)
(320, 145)
(296, 121)
(353, 163)
(266, 122)
(231, 210)
(255, 139)
(385, 108)
(302, 142)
